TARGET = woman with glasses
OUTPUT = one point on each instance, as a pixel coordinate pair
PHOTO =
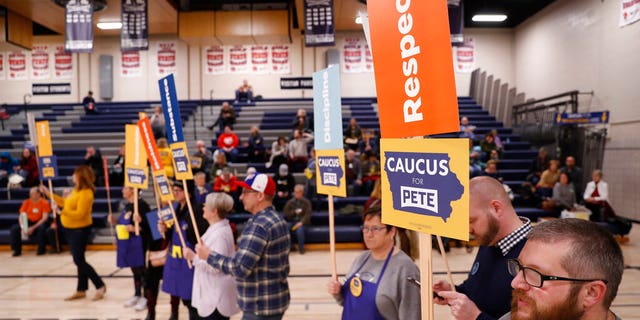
(376, 286)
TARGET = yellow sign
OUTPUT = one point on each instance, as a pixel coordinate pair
(181, 164)
(164, 189)
(330, 172)
(425, 185)
(135, 159)
(44, 139)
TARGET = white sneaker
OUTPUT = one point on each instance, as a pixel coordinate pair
(132, 301)
(141, 305)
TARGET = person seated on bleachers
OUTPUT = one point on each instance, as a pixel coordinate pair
(227, 182)
(466, 130)
(284, 186)
(245, 92)
(298, 154)
(528, 196)
(310, 174)
(489, 148)
(279, 149)
(575, 173)
(297, 212)
(166, 157)
(370, 171)
(492, 170)
(116, 170)
(29, 167)
(219, 163)
(93, 159)
(89, 104)
(548, 179)
(476, 165)
(226, 118)
(35, 212)
(369, 142)
(353, 173)
(564, 194)
(538, 165)
(596, 198)
(202, 159)
(302, 122)
(202, 188)
(497, 140)
(255, 146)
(157, 123)
(352, 134)
(228, 142)
(8, 166)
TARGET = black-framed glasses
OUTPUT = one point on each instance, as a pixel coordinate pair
(373, 229)
(536, 279)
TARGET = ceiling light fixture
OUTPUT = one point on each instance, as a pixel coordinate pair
(109, 25)
(359, 20)
(489, 17)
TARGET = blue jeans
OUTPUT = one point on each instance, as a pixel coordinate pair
(299, 235)
(251, 316)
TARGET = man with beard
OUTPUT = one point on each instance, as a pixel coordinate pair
(569, 269)
(493, 222)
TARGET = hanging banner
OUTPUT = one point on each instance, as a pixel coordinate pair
(352, 55)
(426, 191)
(2, 59)
(40, 62)
(215, 60)
(456, 21)
(173, 122)
(17, 65)
(135, 159)
(280, 62)
(166, 58)
(79, 26)
(48, 163)
(327, 108)
(413, 59)
(149, 142)
(629, 12)
(130, 64)
(134, 34)
(63, 63)
(465, 56)
(260, 59)
(319, 27)
(239, 59)
(368, 59)
(331, 178)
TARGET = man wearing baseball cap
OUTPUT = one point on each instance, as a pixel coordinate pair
(261, 263)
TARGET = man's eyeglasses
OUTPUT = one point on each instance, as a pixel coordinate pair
(536, 279)
(374, 229)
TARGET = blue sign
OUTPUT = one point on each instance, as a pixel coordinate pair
(48, 167)
(171, 109)
(163, 184)
(600, 117)
(136, 176)
(423, 182)
(327, 109)
(330, 171)
(134, 34)
(79, 26)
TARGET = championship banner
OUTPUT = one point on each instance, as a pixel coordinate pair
(135, 159)
(149, 142)
(629, 12)
(239, 59)
(426, 191)
(2, 59)
(79, 26)
(413, 59)
(40, 62)
(48, 164)
(465, 56)
(352, 55)
(134, 34)
(215, 60)
(319, 27)
(368, 59)
(130, 64)
(63, 63)
(173, 122)
(260, 59)
(280, 62)
(166, 58)
(331, 178)
(17, 65)
(327, 108)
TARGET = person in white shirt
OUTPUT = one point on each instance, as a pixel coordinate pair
(596, 196)
(214, 293)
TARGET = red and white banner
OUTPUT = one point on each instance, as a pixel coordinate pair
(17, 65)
(465, 56)
(629, 12)
(260, 59)
(166, 58)
(368, 58)
(352, 55)
(2, 60)
(40, 62)
(62, 63)
(239, 59)
(280, 61)
(130, 64)
(215, 61)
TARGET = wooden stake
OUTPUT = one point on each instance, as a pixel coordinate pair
(446, 263)
(135, 211)
(332, 239)
(426, 289)
(53, 207)
(158, 204)
(108, 189)
(176, 224)
(193, 218)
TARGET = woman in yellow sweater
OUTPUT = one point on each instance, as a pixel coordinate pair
(76, 220)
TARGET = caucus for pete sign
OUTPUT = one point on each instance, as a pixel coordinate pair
(427, 188)
(411, 50)
(330, 176)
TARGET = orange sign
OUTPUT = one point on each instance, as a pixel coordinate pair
(413, 66)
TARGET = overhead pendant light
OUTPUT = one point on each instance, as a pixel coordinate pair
(486, 17)
(109, 25)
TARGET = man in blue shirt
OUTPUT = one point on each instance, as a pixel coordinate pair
(486, 294)
(261, 264)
